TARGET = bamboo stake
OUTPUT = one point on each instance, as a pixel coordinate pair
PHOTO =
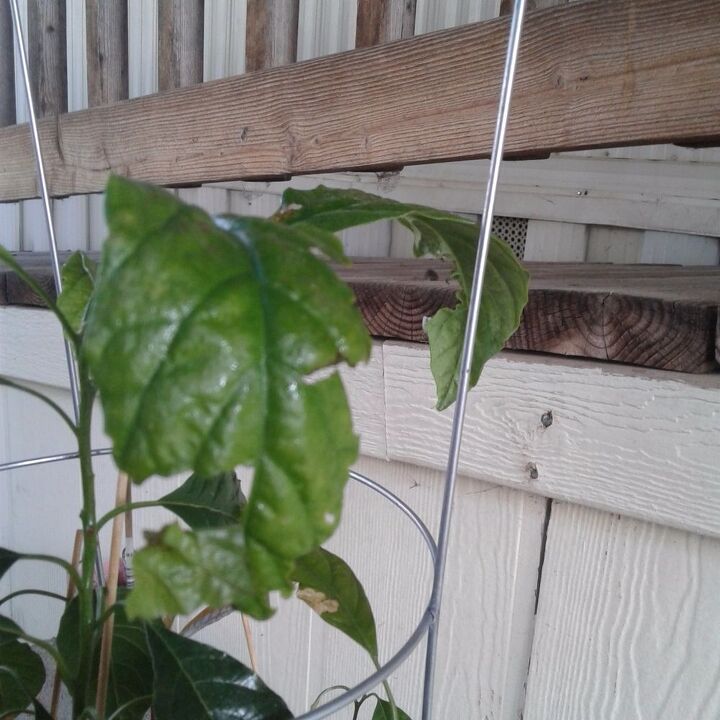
(249, 640)
(110, 597)
(74, 561)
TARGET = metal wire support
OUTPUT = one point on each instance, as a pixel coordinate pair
(468, 347)
(45, 194)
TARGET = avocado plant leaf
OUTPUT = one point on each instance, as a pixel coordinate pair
(22, 673)
(7, 559)
(200, 338)
(383, 711)
(444, 235)
(180, 570)
(195, 682)
(328, 585)
(78, 278)
(207, 501)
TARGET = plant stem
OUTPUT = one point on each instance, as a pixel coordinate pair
(66, 566)
(43, 398)
(125, 507)
(83, 694)
(388, 692)
(31, 591)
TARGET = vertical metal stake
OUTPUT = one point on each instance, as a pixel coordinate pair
(468, 346)
(72, 370)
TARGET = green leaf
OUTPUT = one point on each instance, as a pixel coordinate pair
(444, 235)
(7, 559)
(194, 681)
(383, 711)
(22, 673)
(78, 277)
(200, 339)
(180, 570)
(207, 502)
(331, 589)
(40, 712)
(130, 678)
(131, 671)
(200, 336)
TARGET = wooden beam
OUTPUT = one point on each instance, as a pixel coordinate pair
(381, 21)
(597, 73)
(180, 43)
(107, 51)
(7, 67)
(47, 56)
(657, 316)
(271, 33)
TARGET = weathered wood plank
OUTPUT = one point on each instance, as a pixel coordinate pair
(47, 56)
(658, 316)
(107, 51)
(622, 624)
(590, 74)
(180, 43)
(381, 21)
(271, 33)
(7, 67)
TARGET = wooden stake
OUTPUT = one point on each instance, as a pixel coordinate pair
(111, 596)
(74, 561)
(249, 640)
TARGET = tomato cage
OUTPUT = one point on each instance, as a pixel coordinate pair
(428, 624)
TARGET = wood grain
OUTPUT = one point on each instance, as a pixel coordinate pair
(625, 624)
(590, 74)
(7, 67)
(47, 56)
(629, 440)
(107, 51)
(381, 21)
(271, 33)
(663, 317)
(180, 43)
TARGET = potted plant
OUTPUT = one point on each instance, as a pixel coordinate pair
(200, 337)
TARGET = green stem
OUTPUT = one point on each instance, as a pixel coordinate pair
(122, 509)
(388, 692)
(64, 564)
(325, 691)
(50, 403)
(83, 696)
(7, 258)
(32, 591)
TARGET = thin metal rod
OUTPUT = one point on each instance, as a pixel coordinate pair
(44, 459)
(468, 347)
(425, 622)
(69, 359)
(72, 370)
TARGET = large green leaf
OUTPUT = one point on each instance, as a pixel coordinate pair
(130, 679)
(444, 235)
(22, 673)
(7, 559)
(207, 502)
(180, 570)
(196, 682)
(328, 585)
(201, 338)
(78, 277)
(383, 711)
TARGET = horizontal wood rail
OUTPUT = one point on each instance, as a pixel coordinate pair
(591, 74)
(657, 316)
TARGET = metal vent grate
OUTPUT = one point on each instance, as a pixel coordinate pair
(513, 231)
